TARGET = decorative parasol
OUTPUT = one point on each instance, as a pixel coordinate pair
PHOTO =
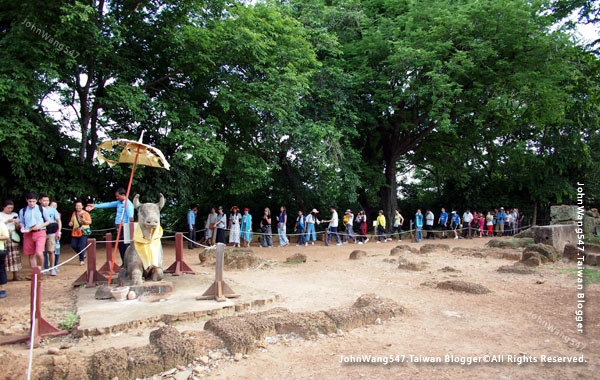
(136, 153)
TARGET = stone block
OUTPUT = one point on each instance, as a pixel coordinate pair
(556, 235)
(563, 213)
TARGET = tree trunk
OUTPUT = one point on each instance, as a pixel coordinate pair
(535, 208)
(388, 192)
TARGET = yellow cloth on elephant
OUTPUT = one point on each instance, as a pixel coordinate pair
(148, 249)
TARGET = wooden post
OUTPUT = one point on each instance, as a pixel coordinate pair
(219, 290)
(91, 277)
(179, 266)
(41, 328)
(105, 269)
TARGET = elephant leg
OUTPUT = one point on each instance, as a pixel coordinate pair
(157, 274)
(136, 276)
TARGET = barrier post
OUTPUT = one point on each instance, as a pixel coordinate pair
(105, 269)
(41, 328)
(179, 266)
(91, 277)
(219, 290)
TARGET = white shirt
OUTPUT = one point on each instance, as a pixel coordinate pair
(334, 220)
(311, 220)
(4, 217)
(429, 219)
(467, 217)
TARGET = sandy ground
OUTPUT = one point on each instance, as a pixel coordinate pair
(510, 323)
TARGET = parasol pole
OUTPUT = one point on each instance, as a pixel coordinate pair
(114, 256)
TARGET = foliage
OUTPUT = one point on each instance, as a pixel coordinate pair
(70, 321)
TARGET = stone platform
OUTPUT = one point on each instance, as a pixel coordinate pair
(108, 316)
(557, 235)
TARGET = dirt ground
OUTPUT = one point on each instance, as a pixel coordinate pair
(511, 322)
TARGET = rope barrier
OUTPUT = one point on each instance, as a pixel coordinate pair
(64, 262)
(33, 327)
(201, 245)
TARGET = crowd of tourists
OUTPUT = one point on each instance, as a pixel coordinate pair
(499, 222)
(35, 230)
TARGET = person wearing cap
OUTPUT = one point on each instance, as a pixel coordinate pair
(349, 232)
(380, 225)
(333, 226)
(300, 227)
(500, 219)
(220, 225)
(191, 221)
(419, 226)
(455, 223)
(246, 227)
(311, 220)
(235, 220)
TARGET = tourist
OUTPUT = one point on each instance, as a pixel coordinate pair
(520, 217)
(246, 227)
(80, 223)
(398, 222)
(419, 226)
(235, 219)
(455, 224)
(13, 256)
(191, 221)
(500, 219)
(124, 214)
(515, 221)
(281, 227)
(4, 239)
(429, 218)
(475, 223)
(361, 219)
(509, 223)
(489, 224)
(443, 221)
(220, 225)
(481, 224)
(52, 230)
(210, 225)
(33, 220)
(300, 227)
(54, 205)
(349, 223)
(265, 226)
(380, 226)
(333, 226)
(467, 218)
(311, 220)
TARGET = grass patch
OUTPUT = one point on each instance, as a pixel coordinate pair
(293, 262)
(70, 321)
(590, 276)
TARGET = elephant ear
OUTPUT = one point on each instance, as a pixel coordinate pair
(136, 201)
(161, 202)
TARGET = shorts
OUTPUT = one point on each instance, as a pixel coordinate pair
(34, 242)
(51, 243)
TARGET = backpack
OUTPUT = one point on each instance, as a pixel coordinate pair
(50, 228)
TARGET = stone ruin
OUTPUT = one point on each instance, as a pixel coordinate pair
(568, 214)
